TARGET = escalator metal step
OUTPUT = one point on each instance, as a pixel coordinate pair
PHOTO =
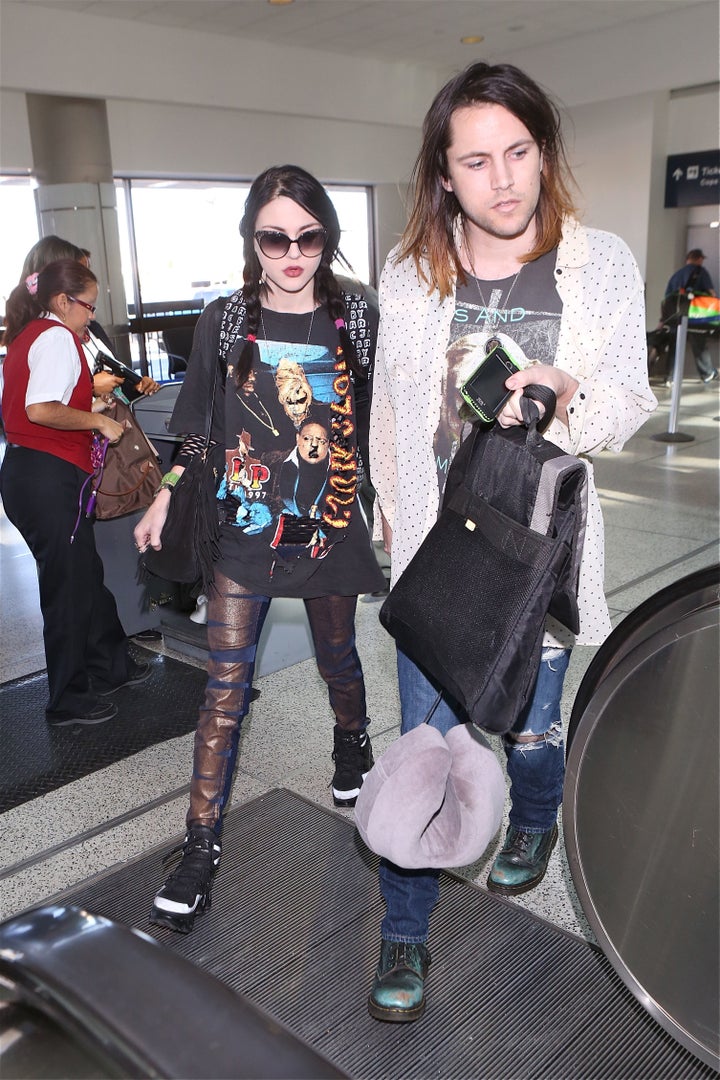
(295, 926)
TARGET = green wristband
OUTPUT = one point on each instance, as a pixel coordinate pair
(168, 482)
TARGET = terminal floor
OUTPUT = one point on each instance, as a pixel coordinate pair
(660, 502)
(165, 709)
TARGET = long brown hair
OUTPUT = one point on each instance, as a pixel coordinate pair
(31, 298)
(429, 235)
(50, 249)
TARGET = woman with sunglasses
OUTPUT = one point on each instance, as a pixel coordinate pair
(293, 347)
(47, 406)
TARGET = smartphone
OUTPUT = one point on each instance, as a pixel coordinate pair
(485, 390)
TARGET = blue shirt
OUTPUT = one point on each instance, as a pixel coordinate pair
(702, 282)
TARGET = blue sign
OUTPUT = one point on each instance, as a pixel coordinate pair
(693, 179)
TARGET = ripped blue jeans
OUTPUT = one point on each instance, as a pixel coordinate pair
(535, 750)
(536, 767)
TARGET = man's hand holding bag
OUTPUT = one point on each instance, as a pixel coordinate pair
(505, 552)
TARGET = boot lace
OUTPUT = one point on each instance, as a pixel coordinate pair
(196, 865)
(522, 841)
(350, 750)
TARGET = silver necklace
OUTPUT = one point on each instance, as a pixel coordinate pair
(492, 309)
(312, 319)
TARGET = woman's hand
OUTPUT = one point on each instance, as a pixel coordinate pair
(150, 526)
(105, 382)
(108, 427)
(102, 404)
(147, 385)
(558, 380)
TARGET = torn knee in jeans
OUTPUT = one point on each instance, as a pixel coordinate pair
(528, 740)
(550, 653)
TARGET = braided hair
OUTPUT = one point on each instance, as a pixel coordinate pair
(294, 183)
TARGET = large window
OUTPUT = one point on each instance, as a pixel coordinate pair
(187, 242)
(18, 228)
(180, 247)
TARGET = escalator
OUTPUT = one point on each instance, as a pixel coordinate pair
(641, 806)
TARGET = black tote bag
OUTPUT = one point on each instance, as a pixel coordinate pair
(504, 553)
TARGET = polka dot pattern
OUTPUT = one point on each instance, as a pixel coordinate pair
(602, 344)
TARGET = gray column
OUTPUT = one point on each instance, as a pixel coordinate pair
(76, 194)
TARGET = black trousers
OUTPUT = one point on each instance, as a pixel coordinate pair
(83, 635)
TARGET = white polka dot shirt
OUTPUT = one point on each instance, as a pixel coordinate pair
(602, 344)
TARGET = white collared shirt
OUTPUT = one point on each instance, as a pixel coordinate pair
(54, 365)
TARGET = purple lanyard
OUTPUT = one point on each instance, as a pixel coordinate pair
(98, 450)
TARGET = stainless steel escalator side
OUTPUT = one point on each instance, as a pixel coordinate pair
(641, 809)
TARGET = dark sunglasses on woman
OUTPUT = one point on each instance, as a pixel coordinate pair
(274, 244)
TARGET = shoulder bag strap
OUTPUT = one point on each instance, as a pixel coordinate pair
(219, 360)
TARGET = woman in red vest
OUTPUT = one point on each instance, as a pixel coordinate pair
(49, 426)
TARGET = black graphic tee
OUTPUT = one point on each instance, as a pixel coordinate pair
(522, 312)
(291, 522)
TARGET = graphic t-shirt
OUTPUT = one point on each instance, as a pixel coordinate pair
(288, 495)
(521, 312)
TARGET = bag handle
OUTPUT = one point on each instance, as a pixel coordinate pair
(145, 467)
(530, 412)
(223, 375)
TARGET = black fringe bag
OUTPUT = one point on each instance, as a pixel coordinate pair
(190, 537)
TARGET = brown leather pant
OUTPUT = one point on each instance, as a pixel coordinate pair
(235, 621)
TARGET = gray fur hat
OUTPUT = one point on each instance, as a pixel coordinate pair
(432, 800)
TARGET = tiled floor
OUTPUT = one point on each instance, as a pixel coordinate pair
(660, 502)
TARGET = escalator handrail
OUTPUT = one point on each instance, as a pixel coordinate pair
(142, 1006)
(632, 630)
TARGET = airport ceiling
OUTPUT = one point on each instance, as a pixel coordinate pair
(415, 31)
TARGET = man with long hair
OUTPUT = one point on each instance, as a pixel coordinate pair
(493, 253)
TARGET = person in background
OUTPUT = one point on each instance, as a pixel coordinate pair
(492, 247)
(692, 279)
(51, 429)
(96, 342)
(290, 315)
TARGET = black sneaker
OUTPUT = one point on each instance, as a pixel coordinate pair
(186, 893)
(137, 673)
(94, 713)
(353, 759)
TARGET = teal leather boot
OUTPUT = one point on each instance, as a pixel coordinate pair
(522, 862)
(397, 992)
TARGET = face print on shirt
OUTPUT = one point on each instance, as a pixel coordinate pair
(280, 461)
